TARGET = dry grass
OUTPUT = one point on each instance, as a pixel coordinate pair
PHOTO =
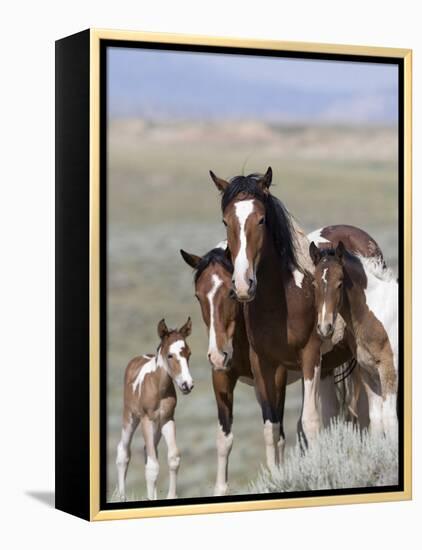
(342, 457)
(161, 199)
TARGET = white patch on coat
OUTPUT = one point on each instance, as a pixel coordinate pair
(316, 237)
(184, 376)
(298, 277)
(241, 264)
(310, 412)
(224, 447)
(382, 298)
(216, 284)
(151, 366)
(389, 413)
(324, 277)
(224, 441)
(222, 245)
(272, 439)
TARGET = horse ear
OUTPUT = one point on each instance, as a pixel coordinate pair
(219, 182)
(162, 329)
(314, 253)
(191, 259)
(266, 179)
(186, 329)
(340, 250)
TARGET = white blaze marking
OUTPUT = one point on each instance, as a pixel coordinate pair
(324, 276)
(176, 349)
(243, 210)
(216, 284)
(151, 366)
(298, 277)
(323, 312)
(317, 237)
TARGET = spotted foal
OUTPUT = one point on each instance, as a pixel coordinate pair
(150, 399)
(365, 293)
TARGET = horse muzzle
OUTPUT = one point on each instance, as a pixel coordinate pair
(246, 291)
(219, 360)
(185, 386)
(325, 330)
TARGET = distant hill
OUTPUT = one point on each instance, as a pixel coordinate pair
(163, 85)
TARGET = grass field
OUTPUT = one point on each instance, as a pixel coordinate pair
(161, 199)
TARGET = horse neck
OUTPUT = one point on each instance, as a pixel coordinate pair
(240, 340)
(270, 257)
(270, 263)
(165, 381)
(302, 247)
(353, 308)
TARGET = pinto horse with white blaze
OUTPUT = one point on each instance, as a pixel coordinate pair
(150, 399)
(228, 349)
(365, 293)
(272, 278)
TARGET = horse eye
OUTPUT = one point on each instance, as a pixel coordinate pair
(169, 356)
(225, 223)
(261, 221)
(340, 284)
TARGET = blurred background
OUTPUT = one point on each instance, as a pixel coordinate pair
(329, 131)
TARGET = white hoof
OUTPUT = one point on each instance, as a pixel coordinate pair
(221, 490)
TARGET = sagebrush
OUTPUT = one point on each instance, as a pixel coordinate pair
(343, 457)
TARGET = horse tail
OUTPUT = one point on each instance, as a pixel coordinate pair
(348, 388)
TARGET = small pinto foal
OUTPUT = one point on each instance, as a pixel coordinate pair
(365, 293)
(150, 399)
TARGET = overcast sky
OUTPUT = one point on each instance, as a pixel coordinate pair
(164, 84)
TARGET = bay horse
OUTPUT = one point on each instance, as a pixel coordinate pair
(150, 399)
(365, 293)
(272, 278)
(228, 347)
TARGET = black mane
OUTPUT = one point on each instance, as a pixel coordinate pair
(352, 259)
(277, 218)
(214, 256)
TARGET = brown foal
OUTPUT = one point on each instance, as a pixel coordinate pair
(365, 293)
(150, 399)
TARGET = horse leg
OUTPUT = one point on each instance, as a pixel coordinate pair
(328, 400)
(388, 378)
(130, 423)
(281, 382)
(173, 455)
(311, 368)
(152, 467)
(224, 383)
(375, 401)
(266, 393)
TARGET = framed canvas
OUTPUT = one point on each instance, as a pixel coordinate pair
(233, 274)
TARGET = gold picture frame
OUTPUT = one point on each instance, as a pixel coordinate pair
(93, 509)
